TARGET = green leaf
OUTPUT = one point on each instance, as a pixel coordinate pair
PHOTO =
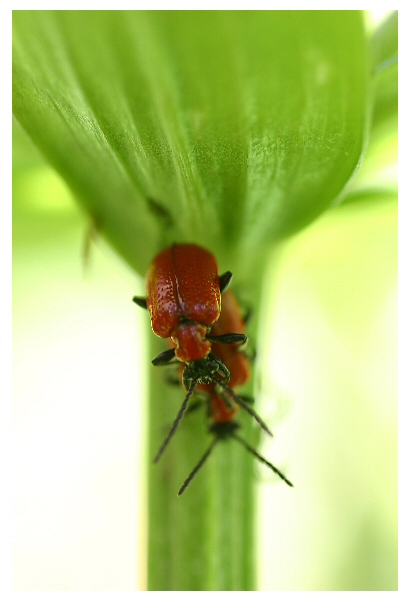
(241, 127)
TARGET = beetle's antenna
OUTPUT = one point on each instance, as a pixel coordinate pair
(198, 467)
(176, 422)
(244, 405)
(260, 458)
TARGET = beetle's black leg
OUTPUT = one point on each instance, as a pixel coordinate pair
(164, 358)
(224, 281)
(140, 301)
(228, 338)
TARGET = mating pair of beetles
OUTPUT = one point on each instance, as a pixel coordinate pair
(184, 301)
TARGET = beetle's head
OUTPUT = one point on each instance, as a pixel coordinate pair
(204, 370)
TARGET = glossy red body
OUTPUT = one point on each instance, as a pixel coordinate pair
(184, 299)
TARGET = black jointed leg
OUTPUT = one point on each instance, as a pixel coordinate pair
(224, 281)
(228, 338)
(140, 301)
(164, 358)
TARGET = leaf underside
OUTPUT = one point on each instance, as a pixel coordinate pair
(229, 128)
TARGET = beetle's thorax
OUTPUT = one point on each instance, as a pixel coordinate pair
(190, 340)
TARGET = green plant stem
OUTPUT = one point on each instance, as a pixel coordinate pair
(204, 539)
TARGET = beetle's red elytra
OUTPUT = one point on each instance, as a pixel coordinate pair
(184, 298)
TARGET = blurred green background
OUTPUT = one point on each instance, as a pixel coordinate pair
(327, 376)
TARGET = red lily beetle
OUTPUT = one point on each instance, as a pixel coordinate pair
(184, 301)
(231, 356)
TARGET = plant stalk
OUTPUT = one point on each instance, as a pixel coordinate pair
(203, 540)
